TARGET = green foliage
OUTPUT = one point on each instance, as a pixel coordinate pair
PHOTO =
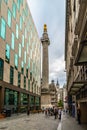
(60, 103)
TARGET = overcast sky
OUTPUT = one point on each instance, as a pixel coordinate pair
(52, 13)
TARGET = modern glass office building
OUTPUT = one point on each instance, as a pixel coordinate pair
(19, 57)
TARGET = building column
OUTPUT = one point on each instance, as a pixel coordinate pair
(39, 102)
(2, 89)
(28, 101)
(34, 104)
(19, 102)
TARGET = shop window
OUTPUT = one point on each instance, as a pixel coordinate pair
(1, 69)
(24, 99)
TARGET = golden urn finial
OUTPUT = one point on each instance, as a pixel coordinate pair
(45, 28)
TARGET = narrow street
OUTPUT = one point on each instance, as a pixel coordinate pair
(31, 122)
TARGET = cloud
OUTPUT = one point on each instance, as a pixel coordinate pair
(53, 14)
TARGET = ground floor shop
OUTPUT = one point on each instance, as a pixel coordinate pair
(17, 99)
(79, 102)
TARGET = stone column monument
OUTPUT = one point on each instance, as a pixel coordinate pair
(45, 95)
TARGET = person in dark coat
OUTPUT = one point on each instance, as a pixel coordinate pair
(79, 115)
(28, 112)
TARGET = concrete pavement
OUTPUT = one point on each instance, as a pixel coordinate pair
(31, 122)
(70, 123)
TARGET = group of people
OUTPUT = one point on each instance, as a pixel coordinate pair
(53, 112)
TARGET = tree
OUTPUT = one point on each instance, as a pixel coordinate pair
(60, 103)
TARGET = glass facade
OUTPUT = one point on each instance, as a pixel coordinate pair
(31, 98)
(24, 98)
(11, 99)
(20, 57)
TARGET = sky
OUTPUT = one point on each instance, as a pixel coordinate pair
(52, 13)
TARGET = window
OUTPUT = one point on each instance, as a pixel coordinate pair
(19, 79)
(29, 63)
(11, 74)
(27, 48)
(1, 69)
(14, 10)
(18, 4)
(28, 84)
(7, 53)
(9, 18)
(22, 40)
(25, 57)
(19, 50)
(27, 72)
(6, 1)
(24, 82)
(16, 61)
(21, 22)
(16, 31)
(30, 75)
(3, 28)
(12, 41)
(24, 100)
(25, 33)
(22, 67)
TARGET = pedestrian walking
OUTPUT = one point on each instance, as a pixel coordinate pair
(79, 115)
(28, 111)
(55, 113)
(59, 113)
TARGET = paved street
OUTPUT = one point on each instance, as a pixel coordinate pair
(70, 123)
(33, 122)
